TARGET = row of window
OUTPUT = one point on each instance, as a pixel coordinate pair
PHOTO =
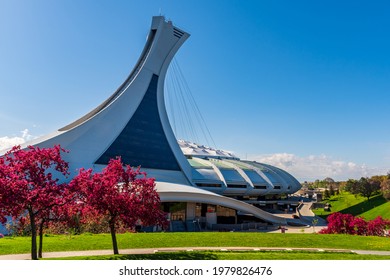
(205, 185)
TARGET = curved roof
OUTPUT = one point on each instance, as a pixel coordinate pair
(193, 149)
(224, 173)
(182, 193)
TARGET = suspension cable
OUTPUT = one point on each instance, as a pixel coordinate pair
(183, 108)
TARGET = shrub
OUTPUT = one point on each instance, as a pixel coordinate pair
(339, 223)
(378, 226)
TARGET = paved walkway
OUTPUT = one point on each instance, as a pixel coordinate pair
(306, 218)
(309, 216)
(189, 249)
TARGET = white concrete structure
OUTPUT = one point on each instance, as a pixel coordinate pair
(222, 172)
(133, 123)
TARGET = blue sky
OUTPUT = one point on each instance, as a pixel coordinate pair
(304, 85)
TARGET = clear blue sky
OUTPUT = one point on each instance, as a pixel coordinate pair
(304, 85)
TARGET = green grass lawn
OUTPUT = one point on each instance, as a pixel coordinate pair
(357, 206)
(82, 242)
(247, 255)
(382, 210)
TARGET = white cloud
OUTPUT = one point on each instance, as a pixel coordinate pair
(315, 167)
(26, 135)
(7, 142)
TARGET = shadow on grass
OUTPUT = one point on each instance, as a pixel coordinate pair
(356, 209)
(364, 206)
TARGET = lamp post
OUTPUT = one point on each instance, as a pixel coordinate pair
(314, 223)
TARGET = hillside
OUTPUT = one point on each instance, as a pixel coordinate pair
(358, 206)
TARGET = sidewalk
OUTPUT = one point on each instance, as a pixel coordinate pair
(189, 249)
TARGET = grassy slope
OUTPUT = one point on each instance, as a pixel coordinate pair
(357, 206)
(203, 239)
(381, 210)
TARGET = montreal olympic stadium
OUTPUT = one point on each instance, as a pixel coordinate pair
(199, 187)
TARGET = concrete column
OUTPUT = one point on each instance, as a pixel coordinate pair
(190, 211)
(211, 219)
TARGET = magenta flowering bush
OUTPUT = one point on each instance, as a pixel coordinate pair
(339, 223)
(378, 226)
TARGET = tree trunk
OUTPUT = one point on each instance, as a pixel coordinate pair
(113, 236)
(40, 238)
(33, 235)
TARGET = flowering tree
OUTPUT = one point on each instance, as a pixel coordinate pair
(339, 223)
(28, 187)
(121, 194)
(358, 226)
(377, 226)
(61, 212)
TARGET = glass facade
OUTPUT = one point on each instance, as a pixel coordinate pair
(143, 142)
(177, 210)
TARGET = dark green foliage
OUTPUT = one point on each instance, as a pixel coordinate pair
(351, 186)
(326, 194)
(365, 187)
(331, 190)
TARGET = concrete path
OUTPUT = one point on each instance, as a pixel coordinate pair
(189, 249)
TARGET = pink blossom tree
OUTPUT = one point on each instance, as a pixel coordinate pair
(61, 212)
(358, 226)
(29, 185)
(121, 194)
(377, 226)
(339, 223)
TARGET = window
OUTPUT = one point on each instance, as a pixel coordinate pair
(236, 186)
(208, 185)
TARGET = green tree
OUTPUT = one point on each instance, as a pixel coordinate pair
(367, 187)
(385, 188)
(352, 186)
(326, 194)
(331, 190)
